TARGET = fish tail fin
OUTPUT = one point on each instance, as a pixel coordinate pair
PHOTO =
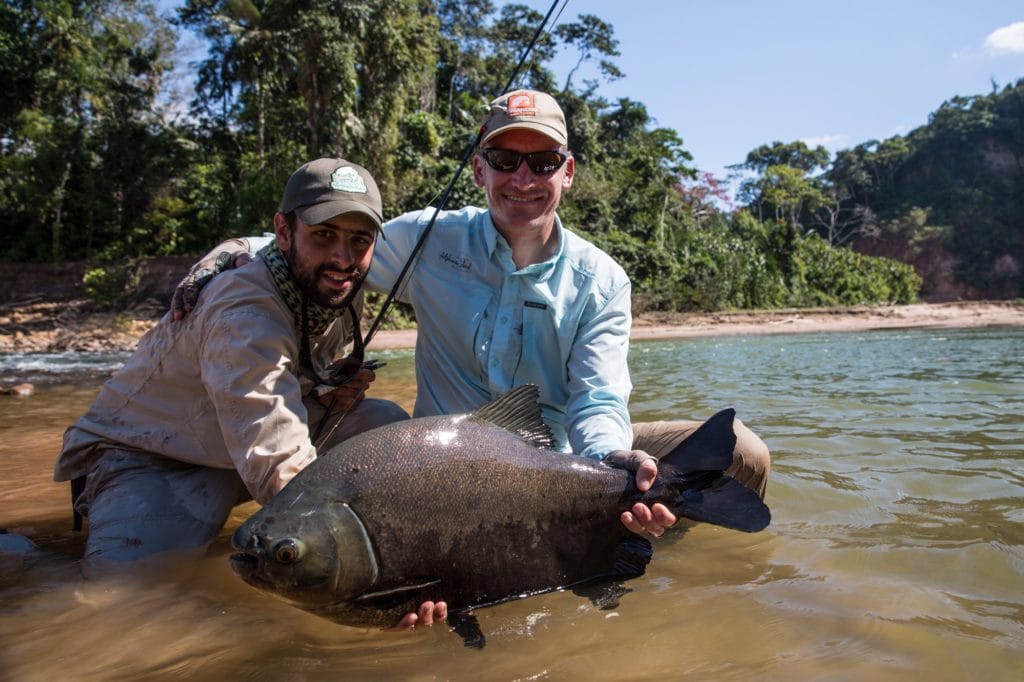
(699, 489)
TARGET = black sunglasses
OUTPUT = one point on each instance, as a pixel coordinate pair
(506, 160)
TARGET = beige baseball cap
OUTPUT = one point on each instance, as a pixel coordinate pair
(525, 109)
(322, 189)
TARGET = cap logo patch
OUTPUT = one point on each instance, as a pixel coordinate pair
(521, 104)
(346, 179)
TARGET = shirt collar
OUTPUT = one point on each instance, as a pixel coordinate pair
(496, 243)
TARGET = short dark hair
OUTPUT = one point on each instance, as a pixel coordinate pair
(289, 218)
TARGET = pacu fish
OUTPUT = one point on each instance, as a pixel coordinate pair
(474, 509)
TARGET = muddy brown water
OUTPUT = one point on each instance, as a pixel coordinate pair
(896, 550)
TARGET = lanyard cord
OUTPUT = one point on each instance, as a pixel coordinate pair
(357, 352)
(451, 185)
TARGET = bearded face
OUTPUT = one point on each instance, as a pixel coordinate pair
(323, 283)
(328, 261)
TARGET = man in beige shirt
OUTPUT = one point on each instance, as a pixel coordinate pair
(226, 404)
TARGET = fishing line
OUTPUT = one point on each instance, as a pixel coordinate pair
(451, 185)
(360, 342)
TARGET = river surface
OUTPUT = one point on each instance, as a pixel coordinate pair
(896, 550)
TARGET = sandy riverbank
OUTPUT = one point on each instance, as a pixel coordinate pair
(51, 327)
(861, 318)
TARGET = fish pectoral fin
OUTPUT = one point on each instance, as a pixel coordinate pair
(393, 596)
(466, 626)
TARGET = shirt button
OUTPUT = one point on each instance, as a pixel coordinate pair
(504, 319)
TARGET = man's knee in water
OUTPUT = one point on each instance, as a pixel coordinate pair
(374, 412)
(753, 460)
(369, 414)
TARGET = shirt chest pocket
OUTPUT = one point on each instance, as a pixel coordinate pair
(542, 360)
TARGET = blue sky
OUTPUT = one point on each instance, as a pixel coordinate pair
(732, 75)
(729, 76)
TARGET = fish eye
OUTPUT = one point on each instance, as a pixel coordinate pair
(287, 551)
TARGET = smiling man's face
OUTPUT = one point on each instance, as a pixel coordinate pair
(327, 260)
(523, 200)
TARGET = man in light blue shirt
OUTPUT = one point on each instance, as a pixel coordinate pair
(486, 325)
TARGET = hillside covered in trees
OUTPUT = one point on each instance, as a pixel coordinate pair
(101, 161)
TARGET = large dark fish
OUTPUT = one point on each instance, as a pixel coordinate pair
(472, 509)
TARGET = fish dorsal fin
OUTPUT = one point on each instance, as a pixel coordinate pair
(518, 411)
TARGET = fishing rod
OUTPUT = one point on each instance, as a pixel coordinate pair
(451, 185)
(355, 359)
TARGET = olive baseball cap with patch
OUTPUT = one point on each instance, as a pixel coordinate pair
(325, 188)
(525, 110)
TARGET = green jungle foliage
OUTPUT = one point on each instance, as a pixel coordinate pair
(102, 160)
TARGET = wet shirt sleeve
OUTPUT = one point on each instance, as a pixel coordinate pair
(246, 369)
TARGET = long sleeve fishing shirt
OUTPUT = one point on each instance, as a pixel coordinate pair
(486, 326)
(221, 388)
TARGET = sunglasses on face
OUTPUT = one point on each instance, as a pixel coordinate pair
(506, 160)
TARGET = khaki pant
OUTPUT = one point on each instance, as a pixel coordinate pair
(751, 461)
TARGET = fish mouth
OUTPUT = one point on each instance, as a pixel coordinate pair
(247, 567)
(250, 568)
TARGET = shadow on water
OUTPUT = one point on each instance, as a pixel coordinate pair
(896, 549)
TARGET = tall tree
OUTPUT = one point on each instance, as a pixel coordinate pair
(590, 36)
(794, 154)
(95, 75)
(464, 31)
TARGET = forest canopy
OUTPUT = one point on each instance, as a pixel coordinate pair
(101, 160)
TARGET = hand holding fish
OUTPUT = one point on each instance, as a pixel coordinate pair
(641, 518)
(428, 612)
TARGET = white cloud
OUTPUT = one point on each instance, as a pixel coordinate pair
(1005, 40)
(831, 142)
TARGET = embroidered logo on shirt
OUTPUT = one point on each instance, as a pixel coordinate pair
(457, 262)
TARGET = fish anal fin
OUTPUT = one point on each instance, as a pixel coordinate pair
(632, 555)
(466, 626)
(518, 412)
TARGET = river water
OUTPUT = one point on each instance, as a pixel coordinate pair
(896, 550)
